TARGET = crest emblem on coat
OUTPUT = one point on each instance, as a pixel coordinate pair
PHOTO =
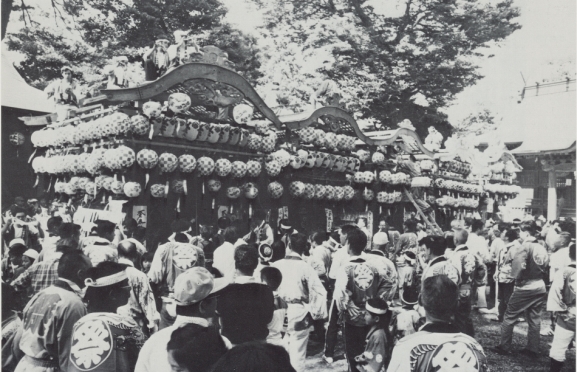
(363, 276)
(92, 344)
(454, 356)
(184, 256)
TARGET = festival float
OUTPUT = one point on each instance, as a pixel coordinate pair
(199, 143)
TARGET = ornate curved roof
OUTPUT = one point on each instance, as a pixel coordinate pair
(214, 91)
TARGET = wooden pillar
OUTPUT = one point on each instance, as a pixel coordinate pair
(552, 196)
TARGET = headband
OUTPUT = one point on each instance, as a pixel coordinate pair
(106, 280)
(374, 310)
(285, 227)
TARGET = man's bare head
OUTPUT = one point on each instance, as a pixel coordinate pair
(461, 236)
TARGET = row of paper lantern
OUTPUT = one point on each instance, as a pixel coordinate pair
(92, 186)
(110, 125)
(194, 130)
(385, 176)
(310, 191)
(119, 123)
(448, 201)
(502, 189)
(329, 140)
(455, 166)
(458, 186)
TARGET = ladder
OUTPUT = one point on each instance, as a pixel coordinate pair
(425, 218)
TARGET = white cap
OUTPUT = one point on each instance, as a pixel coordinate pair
(381, 238)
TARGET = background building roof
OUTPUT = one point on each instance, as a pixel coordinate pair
(17, 93)
(543, 122)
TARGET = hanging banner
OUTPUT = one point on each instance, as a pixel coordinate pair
(139, 213)
(370, 226)
(329, 214)
(285, 212)
(490, 203)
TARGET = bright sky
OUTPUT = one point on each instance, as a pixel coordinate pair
(548, 35)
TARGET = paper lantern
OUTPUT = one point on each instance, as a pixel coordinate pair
(385, 176)
(296, 162)
(222, 167)
(283, 157)
(158, 190)
(254, 142)
(321, 157)
(261, 128)
(205, 166)
(70, 189)
(233, 192)
(329, 192)
(368, 194)
(319, 138)
(239, 168)
(309, 192)
(186, 163)
(339, 193)
(303, 155)
(177, 186)
(179, 102)
(39, 165)
(268, 143)
(342, 142)
(275, 190)
(253, 168)
(107, 183)
(99, 181)
(349, 192)
(140, 125)
(340, 164)
(369, 176)
(307, 135)
(132, 189)
(90, 188)
(147, 158)
(214, 133)
(152, 109)
(38, 139)
(214, 185)
(359, 177)
(331, 141)
(126, 156)
(378, 158)
(250, 191)
(59, 187)
(320, 191)
(297, 188)
(117, 187)
(82, 181)
(364, 155)
(76, 164)
(167, 162)
(111, 159)
(121, 123)
(242, 113)
(382, 197)
(272, 168)
(311, 159)
(74, 183)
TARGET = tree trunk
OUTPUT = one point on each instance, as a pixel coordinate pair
(6, 10)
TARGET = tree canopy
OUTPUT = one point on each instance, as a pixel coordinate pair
(389, 68)
(87, 34)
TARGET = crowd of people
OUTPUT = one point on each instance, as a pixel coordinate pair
(233, 297)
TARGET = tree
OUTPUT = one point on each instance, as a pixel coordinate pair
(389, 67)
(475, 124)
(89, 33)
